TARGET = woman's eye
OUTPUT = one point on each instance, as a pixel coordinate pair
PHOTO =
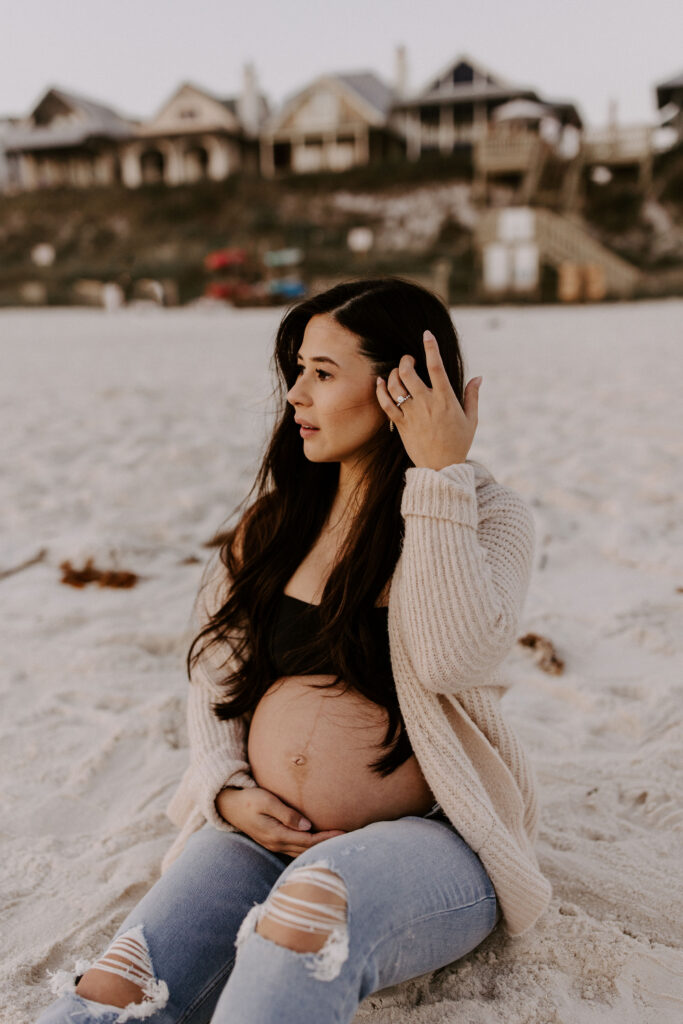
(322, 374)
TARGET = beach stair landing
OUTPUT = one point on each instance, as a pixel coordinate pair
(515, 242)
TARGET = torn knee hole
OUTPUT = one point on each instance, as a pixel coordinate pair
(128, 958)
(307, 914)
(123, 977)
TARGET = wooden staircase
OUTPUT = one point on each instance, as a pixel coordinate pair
(563, 240)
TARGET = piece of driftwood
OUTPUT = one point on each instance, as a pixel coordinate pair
(117, 578)
(545, 655)
(91, 574)
(4, 573)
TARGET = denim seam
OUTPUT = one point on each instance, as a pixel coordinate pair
(428, 917)
(207, 990)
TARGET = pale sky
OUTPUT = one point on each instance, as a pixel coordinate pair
(131, 54)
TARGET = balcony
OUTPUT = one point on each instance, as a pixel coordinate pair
(629, 144)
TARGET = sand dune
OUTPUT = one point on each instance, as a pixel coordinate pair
(130, 437)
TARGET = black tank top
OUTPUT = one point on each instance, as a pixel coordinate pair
(297, 621)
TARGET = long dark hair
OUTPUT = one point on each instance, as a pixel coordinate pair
(293, 498)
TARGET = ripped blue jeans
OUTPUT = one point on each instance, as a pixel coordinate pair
(396, 899)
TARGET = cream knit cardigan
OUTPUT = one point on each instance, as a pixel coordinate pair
(455, 602)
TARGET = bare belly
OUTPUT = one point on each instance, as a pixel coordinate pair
(312, 749)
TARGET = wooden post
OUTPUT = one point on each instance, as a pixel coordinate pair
(568, 282)
(594, 284)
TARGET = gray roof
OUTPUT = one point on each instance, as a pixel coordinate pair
(105, 118)
(95, 120)
(526, 110)
(666, 92)
(566, 111)
(468, 92)
(366, 84)
(231, 103)
(370, 88)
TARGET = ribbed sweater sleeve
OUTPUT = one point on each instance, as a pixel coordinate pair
(466, 563)
(218, 755)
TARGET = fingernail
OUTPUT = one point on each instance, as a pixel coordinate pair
(304, 823)
(428, 335)
(379, 380)
(477, 381)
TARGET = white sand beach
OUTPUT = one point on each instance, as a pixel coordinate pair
(129, 437)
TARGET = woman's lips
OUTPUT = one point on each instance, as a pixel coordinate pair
(308, 431)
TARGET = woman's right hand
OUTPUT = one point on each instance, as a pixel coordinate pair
(266, 819)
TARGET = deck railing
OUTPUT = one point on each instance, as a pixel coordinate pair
(617, 144)
(498, 152)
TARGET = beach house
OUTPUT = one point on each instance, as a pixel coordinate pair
(66, 140)
(335, 122)
(456, 109)
(196, 136)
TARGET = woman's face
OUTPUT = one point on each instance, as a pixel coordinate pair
(335, 393)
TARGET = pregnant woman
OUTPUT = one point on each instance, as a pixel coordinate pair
(356, 811)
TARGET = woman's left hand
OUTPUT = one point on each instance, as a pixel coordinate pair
(435, 429)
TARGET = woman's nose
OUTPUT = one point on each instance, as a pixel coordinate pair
(297, 393)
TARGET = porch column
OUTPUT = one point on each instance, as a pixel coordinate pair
(218, 166)
(446, 129)
(362, 145)
(174, 161)
(267, 157)
(28, 176)
(131, 172)
(412, 133)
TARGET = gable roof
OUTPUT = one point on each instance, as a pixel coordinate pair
(464, 80)
(90, 119)
(364, 88)
(462, 74)
(97, 114)
(369, 87)
(231, 103)
(189, 92)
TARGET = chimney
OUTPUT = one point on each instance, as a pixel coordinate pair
(401, 72)
(248, 103)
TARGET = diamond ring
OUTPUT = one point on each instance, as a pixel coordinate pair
(401, 399)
